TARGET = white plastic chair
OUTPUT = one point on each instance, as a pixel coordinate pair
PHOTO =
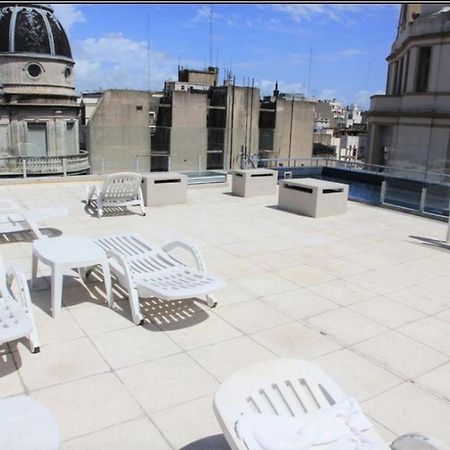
(289, 387)
(16, 310)
(26, 424)
(118, 189)
(14, 218)
(146, 270)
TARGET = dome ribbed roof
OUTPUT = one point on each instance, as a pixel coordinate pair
(32, 28)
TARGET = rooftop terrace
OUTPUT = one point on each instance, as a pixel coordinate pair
(365, 295)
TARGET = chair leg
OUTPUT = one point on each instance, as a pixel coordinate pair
(138, 318)
(210, 301)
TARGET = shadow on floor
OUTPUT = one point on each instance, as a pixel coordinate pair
(109, 211)
(27, 235)
(9, 364)
(165, 315)
(216, 442)
(432, 242)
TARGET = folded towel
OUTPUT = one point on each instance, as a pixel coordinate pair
(338, 427)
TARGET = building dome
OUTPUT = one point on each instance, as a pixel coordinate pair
(32, 29)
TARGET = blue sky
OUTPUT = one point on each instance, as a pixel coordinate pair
(264, 42)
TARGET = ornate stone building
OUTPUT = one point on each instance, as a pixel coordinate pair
(409, 126)
(38, 105)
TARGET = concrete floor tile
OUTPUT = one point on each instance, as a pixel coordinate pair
(198, 333)
(253, 316)
(10, 382)
(402, 409)
(437, 380)
(137, 434)
(89, 405)
(129, 346)
(265, 284)
(300, 303)
(401, 354)
(305, 275)
(167, 382)
(58, 363)
(387, 312)
(346, 325)
(342, 292)
(429, 331)
(357, 376)
(225, 358)
(182, 427)
(295, 340)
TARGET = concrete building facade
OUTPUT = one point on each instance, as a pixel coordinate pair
(409, 126)
(194, 124)
(38, 106)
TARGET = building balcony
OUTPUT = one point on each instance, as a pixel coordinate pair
(45, 165)
(411, 104)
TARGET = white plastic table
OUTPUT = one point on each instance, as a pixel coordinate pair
(65, 253)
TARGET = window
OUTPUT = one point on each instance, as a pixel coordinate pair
(405, 80)
(34, 70)
(138, 108)
(70, 139)
(37, 139)
(67, 72)
(423, 69)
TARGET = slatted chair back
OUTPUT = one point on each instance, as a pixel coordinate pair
(284, 387)
(121, 187)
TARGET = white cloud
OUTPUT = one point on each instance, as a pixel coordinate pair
(340, 55)
(362, 98)
(266, 87)
(68, 15)
(302, 12)
(115, 61)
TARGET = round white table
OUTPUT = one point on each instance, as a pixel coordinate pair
(64, 253)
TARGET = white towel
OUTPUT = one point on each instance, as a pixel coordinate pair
(338, 427)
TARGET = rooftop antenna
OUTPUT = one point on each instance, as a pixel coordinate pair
(309, 71)
(210, 35)
(148, 52)
(368, 77)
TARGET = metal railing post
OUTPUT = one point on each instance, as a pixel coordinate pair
(423, 197)
(137, 163)
(448, 227)
(102, 167)
(24, 167)
(383, 191)
(64, 164)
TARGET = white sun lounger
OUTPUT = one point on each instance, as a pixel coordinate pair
(146, 270)
(26, 424)
(291, 388)
(14, 218)
(16, 311)
(118, 189)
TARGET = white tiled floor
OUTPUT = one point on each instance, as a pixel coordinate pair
(355, 293)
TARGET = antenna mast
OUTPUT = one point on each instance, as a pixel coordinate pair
(210, 35)
(148, 52)
(309, 71)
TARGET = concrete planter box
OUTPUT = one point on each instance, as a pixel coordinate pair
(164, 188)
(251, 182)
(311, 197)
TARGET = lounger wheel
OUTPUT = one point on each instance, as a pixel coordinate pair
(141, 322)
(210, 301)
(36, 350)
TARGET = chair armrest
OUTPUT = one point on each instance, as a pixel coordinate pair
(417, 441)
(124, 264)
(14, 273)
(191, 249)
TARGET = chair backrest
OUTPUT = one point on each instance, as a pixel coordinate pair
(285, 387)
(121, 186)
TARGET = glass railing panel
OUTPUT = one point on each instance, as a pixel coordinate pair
(437, 199)
(404, 193)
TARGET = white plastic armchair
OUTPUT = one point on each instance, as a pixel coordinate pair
(16, 309)
(14, 218)
(292, 388)
(146, 270)
(118, 189)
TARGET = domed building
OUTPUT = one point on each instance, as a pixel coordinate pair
(38, 105)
